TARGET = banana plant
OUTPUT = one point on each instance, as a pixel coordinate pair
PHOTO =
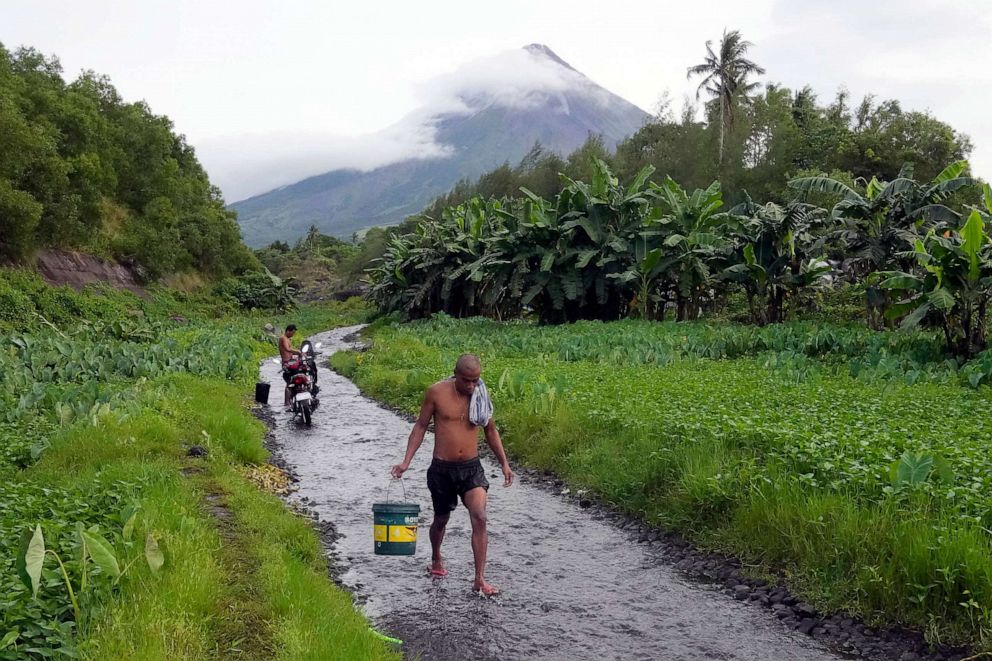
(695, 241)
(778, 253)
(952, 283)
(644, 273)
(599, 223)
(876, 227)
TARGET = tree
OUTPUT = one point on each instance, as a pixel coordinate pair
(601, 221)
(778, 252)
(694, 231)
(725, 76)
(877, 226)
(952, 281)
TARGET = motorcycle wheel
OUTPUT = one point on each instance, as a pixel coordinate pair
(305, 409)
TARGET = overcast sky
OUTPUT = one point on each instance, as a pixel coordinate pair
(254, 84)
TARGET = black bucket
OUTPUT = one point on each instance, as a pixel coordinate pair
(262, 393)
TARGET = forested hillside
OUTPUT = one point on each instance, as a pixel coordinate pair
(774, 136)
(81, 168)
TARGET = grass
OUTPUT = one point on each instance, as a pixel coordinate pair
(245, 577)
(101, 394)
(788, 467)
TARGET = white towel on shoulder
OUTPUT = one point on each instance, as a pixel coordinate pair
(480, 407)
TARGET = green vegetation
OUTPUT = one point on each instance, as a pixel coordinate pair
(752, 140)
(852, 459)
(321, 267)
(602, 250)
(84, 169)
(114, 543)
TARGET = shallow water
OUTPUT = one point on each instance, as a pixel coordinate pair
(575, 586)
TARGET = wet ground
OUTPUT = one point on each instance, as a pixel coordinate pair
(575, 585)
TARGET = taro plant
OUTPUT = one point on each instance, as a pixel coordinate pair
(93, 551)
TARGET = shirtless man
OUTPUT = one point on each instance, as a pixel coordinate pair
(286, 353)
(456, 469)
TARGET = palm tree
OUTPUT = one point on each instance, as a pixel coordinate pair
(725, 75)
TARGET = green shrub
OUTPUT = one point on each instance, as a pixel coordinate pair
(16, 308)
(257, 291)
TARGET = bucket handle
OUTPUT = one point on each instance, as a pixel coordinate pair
(390, 484)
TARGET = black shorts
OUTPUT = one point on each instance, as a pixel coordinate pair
(449, 480)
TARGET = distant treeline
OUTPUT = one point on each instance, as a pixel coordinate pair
(82, 169)
(776, 136)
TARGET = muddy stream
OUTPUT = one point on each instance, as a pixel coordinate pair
(574, 584)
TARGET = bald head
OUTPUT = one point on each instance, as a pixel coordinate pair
(468, 364)
(467, 371)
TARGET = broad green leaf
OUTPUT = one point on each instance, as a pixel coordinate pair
(943, 470)
(153, 554)
(896, 310)
(532, 293)
(915, 317)
(584, 258)
(625, 277)
(530, 194)
(590, 228)
(638, 182)
(898, 280)
(749, 255)
(973, 237)
(31, 559)
(650, 260)
(102, 553)
(941, 298)
(600, 178)
(987, 197)
(674, 240)
(548, 261)
(9, 639)
(128, 531)
(911, 468)
(952, 171)
(873, 189)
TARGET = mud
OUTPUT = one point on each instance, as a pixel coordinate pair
(578, 581)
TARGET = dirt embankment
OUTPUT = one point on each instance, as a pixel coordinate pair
(63, 267)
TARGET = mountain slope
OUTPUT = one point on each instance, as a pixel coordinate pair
(491, 126)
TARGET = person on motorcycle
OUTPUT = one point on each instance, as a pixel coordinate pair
(287, 353)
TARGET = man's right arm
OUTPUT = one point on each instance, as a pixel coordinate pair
(416, 434)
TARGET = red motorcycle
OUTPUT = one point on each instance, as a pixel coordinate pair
(300, 375)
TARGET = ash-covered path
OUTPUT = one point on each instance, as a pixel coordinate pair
(574, 585)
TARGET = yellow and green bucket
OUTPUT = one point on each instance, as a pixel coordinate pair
(394, 526)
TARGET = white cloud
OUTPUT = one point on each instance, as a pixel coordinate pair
(248, 164)
(519, 78)
(304, 72)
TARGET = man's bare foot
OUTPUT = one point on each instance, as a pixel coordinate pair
(486, 589)
(437, 570)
